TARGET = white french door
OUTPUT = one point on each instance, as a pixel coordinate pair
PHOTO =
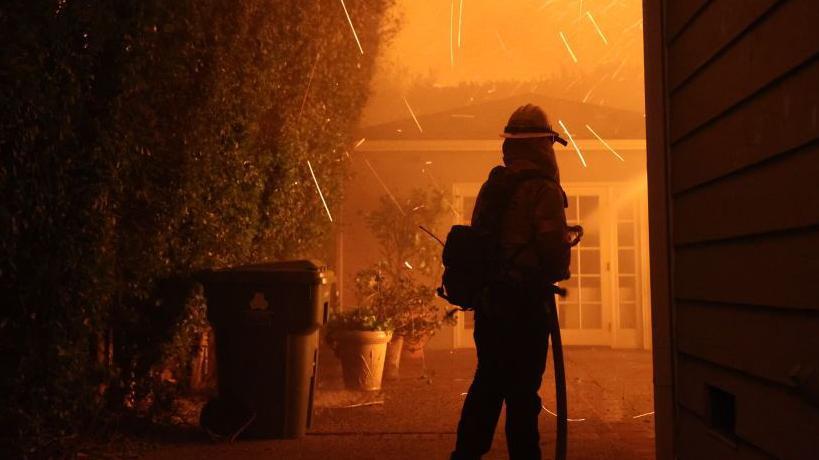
(583, 313)
(605, 291)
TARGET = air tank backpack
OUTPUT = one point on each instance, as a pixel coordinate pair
(472, 258)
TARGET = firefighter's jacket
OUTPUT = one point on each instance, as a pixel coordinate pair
(533, 233)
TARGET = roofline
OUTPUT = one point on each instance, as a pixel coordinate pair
(483, 145)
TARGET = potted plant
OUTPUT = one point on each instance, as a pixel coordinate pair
(359, 338)
(401, 286)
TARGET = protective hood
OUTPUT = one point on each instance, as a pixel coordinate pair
(535, 151)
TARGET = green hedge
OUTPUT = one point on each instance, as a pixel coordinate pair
(144, 140)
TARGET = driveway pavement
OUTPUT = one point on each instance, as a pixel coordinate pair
(610, 399)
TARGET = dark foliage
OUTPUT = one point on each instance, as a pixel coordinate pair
(141, 141)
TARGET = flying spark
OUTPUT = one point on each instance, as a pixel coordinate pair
(594, 23)
(576, 148)
(604, 143)
(309, 82)
(643, 415)
(358, 144)
(355, 35)
(386, 189)
(407, 264)
(451, 20)
(502, 43)
(413, 116)
(569, 48)
(617, 72)
(568, 419)
(319, 190)
(460, 21)
(608, 7)
(638, 23)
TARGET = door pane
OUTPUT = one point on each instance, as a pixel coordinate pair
(628, 288)
(571, 286)
(590, 220)
(625, 258)
(625, 234)
(569, 315)
(625, 211)
(571, 210)
(590, 261)
(590, 289)
(628, 315)
(591, 316)
(573, 264)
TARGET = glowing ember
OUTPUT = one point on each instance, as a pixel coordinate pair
(386, 189)
(571, 139)
(451, 20)
(605, 143)
(321, 195)
(358, 144)
(309, 82)
(460, 21)
(355, 35)
(638, 23)
(413, 115)
(568, 419)
(502, 43)
(594, 23)
(569, 48)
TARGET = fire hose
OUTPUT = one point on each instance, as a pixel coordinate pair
(561, 444)
(560, 376)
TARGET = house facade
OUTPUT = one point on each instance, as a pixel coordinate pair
(608, 302)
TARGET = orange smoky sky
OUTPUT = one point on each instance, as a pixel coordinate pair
(517, 40)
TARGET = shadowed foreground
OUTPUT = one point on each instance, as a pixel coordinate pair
(415, 417)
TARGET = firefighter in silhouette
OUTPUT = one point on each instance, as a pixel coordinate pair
(522, 203)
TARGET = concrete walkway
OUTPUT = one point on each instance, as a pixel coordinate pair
(415, 417)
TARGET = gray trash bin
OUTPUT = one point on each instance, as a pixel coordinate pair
(266, 319)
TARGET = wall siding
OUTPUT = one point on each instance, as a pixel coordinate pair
(741, 94)
(722, 21)
(787, 37)
(782, 117)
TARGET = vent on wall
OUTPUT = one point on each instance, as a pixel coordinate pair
(722, 411)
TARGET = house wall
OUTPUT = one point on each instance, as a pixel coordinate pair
(732, 103)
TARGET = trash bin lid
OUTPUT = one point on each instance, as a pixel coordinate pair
(290, 272)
